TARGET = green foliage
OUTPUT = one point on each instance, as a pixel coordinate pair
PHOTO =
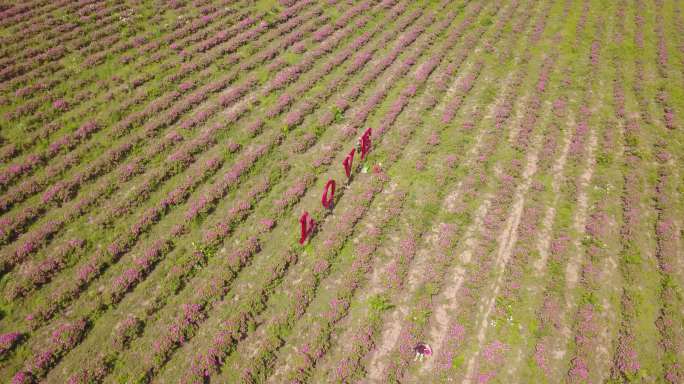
(506, 305)
(555, 268)
(457, 362)
(431, 289)
(564, 213)
(379, 303)
(632, 257)
(339, 115)
(604, 159)
(318, 130)
(631, 140)
(291, 57)
(278, 331)
(487, 21)
(271, 8)
(588, 241)
(262, 74)
(431, 207)
(421, 316)
(308, 247)
(209, 251)
(589, 297)
(489, 95)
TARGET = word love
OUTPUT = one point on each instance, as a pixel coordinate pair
(306, 222)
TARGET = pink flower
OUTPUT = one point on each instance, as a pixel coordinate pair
(493, 352)
(627, 358)
(86, 129)
(86, 272)
(22, 378)
(426, 68)
(7, 341)
(267, 224)
(457, 333)
(485, 377)
(559, 107)
(579, 371)
(60, 105)
(323, 32)
(293, 118)
(299, 47)
(68, 334)
(595, 49)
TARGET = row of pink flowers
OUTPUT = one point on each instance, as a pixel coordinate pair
(132, 327)
(229, 179)
(33, 275)
(94, 266)
(28, 243)
(62, 339)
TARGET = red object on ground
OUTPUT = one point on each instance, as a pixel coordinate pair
(307, 224)
(423, 349)
(329, 186)
(365, 142)
(348, 161)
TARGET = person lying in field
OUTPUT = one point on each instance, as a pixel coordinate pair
(422, 350)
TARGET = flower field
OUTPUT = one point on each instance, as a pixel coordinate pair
(301, 191)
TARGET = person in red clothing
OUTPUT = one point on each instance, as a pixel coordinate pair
(422, 350)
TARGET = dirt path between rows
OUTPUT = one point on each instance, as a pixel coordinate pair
(507, 241)
(393, 325)
(579, 222)
(547, 222)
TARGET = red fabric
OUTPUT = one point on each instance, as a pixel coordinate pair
(307, 224)
(366, 143)
(329, 186)
(348, 161)
(423, 349)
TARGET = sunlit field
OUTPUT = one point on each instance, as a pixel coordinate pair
(353, 191)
